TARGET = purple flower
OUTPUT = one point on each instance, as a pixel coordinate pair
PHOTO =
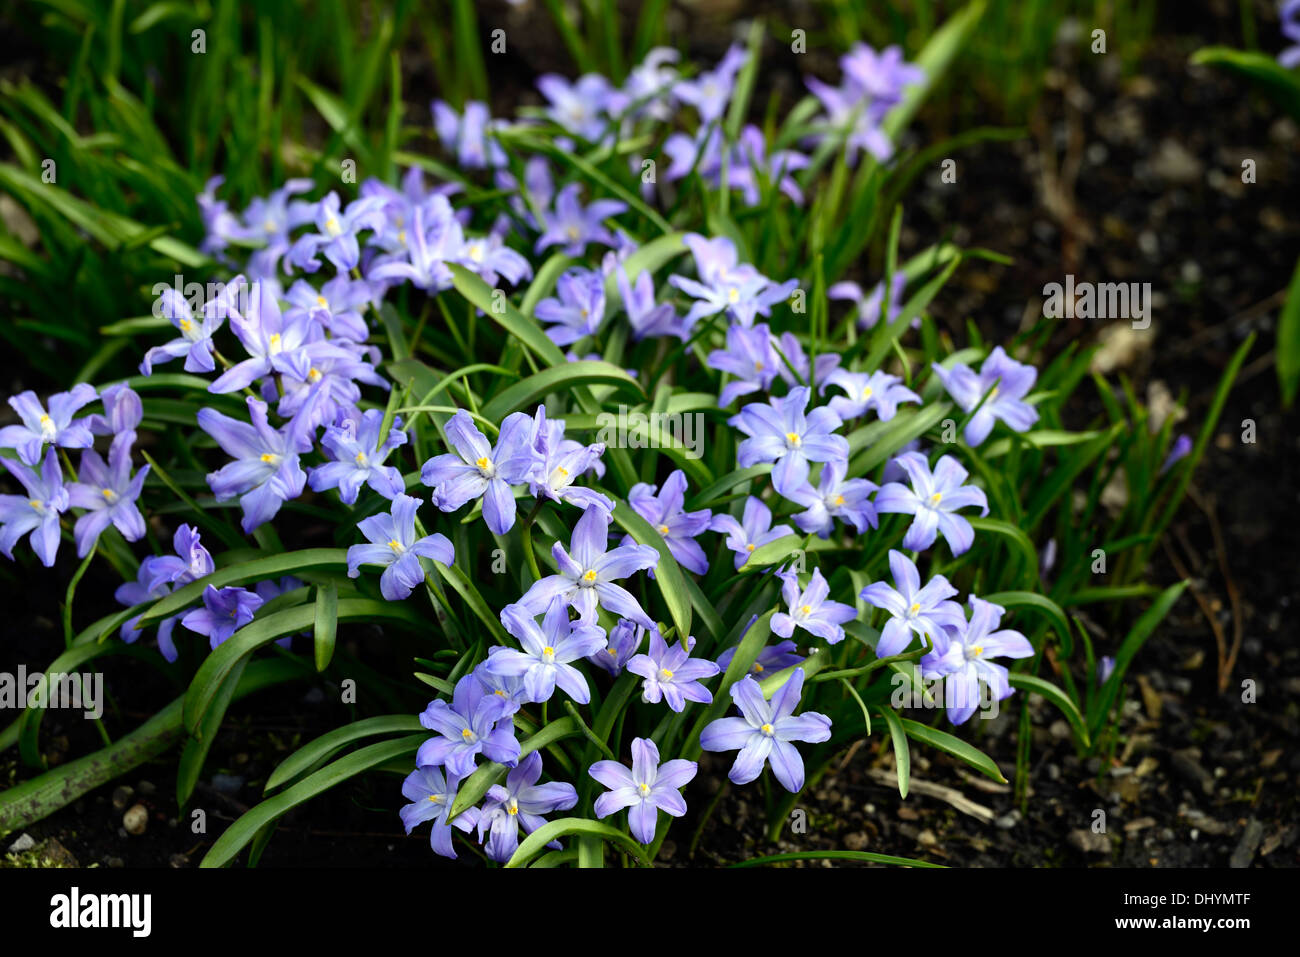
(811, 609)
(274, 344)
(433, 795)
(224, 611)
(54, 427)
(753, 531)
(271, 220)
(335, 307)
(847, 115)
(665, 513)
(835, 497)
(647, 318)
(934, 499)
(544, 662)
(1182, 446)
(671, 674)
(36, 512)
(622, 643)
(572, 227)
(265, 473)
(560, 462)
(488, 255)
(123, 411)
(336, 233)
(468, 136)
(434, 240)
(393, 545)
(780, 433)
(765, 731)
(1290, 17)
(1105, 667)
(912, 609)
(156, 578)
(869, 306)
(1005, 381)
(582, 107)
(109, 494)
(359, 458)
(329, 391)
(725, 285)
(579, 309)
(710, 92)
(750, 357)
(877, 390)
(195, 342)
(522, 801)
(646, 789)
(772, 658)
(587, 575)
(649, 85)
(480, 470)
(477, 721)
(964, 659)
(795, 367)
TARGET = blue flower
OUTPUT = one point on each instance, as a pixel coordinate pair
(811, 609)
(359, 458)
(224, 611)
(912, 609)
(393, 545)
(433, 795)
(481, 470)
(108, 493)
(266, 472)
(671, 675)
(1005, 382)
(933, 498)
(964, 659)
(476, 722)
(521, 802)
(666, 515)
(587, 576)
(54, 427)
(545, 661)
(835, 497)
(753, 531)
(36, 512)
(780, 433)
(579, 309)
(765, 731)
(646, 789)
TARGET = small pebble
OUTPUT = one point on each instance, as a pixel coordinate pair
(136, 819)
(25, 842)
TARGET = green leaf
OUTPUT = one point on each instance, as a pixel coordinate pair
(248, 824)
(327, 623)
(536, 842)
(1288, 341)
(1059, 698)
(506, 316)
(328, 744)
(262, 631)
(1277, 81)
(902, 753)
(955, 746)
(562, 378)
(864, 856)
(1142, 629)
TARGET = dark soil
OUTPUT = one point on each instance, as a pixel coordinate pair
(1122, 178)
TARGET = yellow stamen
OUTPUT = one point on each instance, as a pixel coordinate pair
(320, 301)
(395, 545)
(734, 295)
(766, 729)
(275, 340)
(866, 393)
(269, 458)
(645, 788)
(935, 498)
(793, 439)
(750, 547)
(758, 669)
(839, 499)
(313, 375)
(435, 798)
(663, 529)
(977, 651)
(589, 576)
(805, 609)
(665, 674)
(467, 734)
(916, 607)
